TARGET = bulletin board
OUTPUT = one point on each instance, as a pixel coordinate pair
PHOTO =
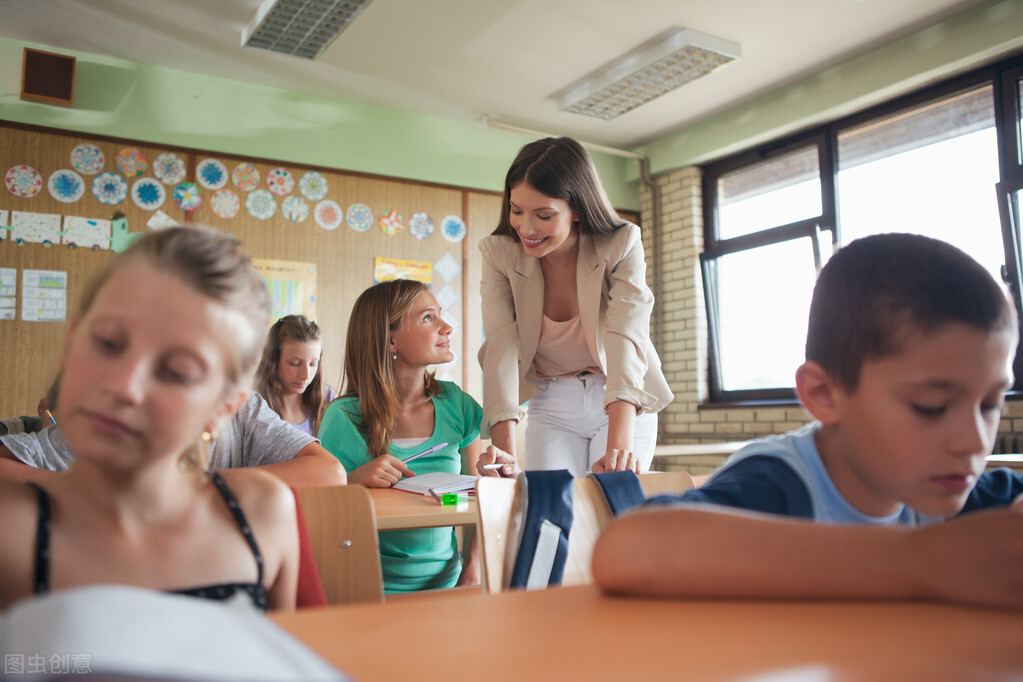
(330, 224)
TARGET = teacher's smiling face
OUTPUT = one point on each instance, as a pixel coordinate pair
(544, 224)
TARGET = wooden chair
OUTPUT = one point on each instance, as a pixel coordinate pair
(666, 483)
(342, 530)
(497, 500)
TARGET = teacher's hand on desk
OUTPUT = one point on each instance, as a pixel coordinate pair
(494, 455)
(381, 472)
(617, 460)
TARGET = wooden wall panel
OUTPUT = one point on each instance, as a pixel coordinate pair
(344, 258)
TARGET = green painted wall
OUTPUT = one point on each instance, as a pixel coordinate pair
(125, 99)
(957, 44)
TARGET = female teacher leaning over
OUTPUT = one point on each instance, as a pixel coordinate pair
(566, 313)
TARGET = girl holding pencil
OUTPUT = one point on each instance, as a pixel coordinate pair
(392, 409)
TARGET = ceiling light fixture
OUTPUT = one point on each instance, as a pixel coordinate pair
(651, 70)
(303, 28)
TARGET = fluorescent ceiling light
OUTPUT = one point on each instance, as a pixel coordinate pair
(653, 69)
(302, 28)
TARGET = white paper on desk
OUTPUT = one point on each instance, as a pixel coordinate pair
(440, 481)
(130, 631)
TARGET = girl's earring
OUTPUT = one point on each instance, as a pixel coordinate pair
(394, 355)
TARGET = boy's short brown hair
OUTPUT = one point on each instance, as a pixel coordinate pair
(878, 289)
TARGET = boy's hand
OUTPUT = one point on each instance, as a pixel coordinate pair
(382, 472)
(974, 559)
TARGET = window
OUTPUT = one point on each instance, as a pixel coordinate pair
(929, 163)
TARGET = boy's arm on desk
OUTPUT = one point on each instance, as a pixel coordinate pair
(719, 552)
(312, 466)
(14, 469)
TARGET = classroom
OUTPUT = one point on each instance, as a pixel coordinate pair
(389, 146)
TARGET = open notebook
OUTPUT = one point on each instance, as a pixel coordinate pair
(439, 481)
(143, 634)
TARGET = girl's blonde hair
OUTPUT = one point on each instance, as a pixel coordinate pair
(268, 381)
(369, 369)
(213, 264)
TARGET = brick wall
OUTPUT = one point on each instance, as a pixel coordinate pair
(682, 339)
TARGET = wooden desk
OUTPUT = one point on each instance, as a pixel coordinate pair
(400, 510)
(1013, 461)
(577, 633)
(697, 449)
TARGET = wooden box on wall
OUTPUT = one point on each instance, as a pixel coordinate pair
(47, 77)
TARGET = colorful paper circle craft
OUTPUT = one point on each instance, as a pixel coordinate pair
(359, 217)
(109, 188)
(295, 209)
(453, 228)
(211, 174)
(260, 204)
(313, 185)
(23, 181)
(169, 168)
(87, 159)
(280, 181)
(225, 203)
(66, 186)
(188, 196)
(392, 223)
(420, 225)
(131, 162)
(245, 177)
(328, 214)
(148, 194)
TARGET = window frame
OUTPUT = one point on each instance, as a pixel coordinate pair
(1004, 77)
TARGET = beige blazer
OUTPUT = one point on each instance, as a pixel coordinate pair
(614, 309)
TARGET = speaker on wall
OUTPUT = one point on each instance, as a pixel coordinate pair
(47, 77)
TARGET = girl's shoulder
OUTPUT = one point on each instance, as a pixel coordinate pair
(19, 509)
(18, 501)
(260, 494)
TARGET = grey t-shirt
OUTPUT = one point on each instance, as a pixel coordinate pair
(254, 436)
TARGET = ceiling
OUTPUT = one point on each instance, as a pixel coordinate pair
(465, 59)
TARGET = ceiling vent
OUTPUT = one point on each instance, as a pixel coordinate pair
(303, 28)
(651, 70)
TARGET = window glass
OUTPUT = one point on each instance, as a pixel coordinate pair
(760, 342)
(1019, 121)
(776, 192)
(930, 171)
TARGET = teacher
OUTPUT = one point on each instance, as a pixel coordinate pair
(566, 313)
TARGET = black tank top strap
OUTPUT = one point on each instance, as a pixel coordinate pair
(243, 523)
(41, 574)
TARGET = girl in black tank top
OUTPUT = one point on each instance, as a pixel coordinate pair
(161, 352)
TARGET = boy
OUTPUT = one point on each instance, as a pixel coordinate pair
(908, 355)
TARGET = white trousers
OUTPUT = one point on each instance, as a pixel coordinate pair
(566, 426)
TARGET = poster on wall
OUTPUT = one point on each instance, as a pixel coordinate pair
(386, 269)
(87, 232)
(43, 295)
(8, 291)
(38, 228)
(292, 287)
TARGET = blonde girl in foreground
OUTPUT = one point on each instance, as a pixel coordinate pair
(160, 354)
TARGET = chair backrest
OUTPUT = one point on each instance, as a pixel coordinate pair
(342, 530)
(666, 483)
(496, 499)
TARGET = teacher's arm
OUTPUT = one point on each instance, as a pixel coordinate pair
(499, 354)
